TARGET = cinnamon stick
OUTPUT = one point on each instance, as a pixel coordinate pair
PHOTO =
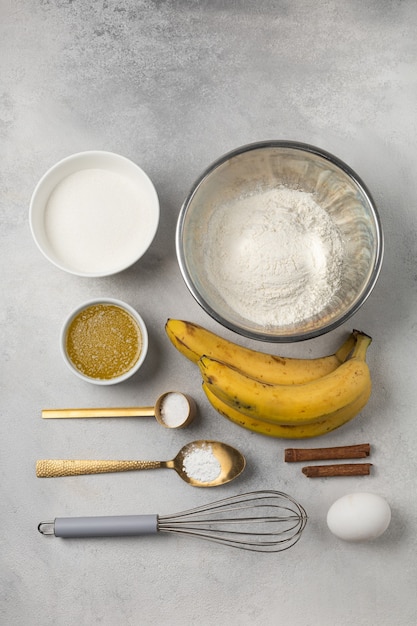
(343, 469)
(358, 451)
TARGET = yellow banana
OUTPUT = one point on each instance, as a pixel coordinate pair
(289, 431)
(194, 341)
(291, 404)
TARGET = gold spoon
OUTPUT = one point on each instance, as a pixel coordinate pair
(219, 464)
(165, 411)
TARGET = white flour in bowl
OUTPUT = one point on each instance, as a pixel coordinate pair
(276, 258)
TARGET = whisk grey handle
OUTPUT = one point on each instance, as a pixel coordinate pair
(105, 526)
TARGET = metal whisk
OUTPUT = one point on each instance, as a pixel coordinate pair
(261, 521)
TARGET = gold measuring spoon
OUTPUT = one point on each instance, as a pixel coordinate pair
(173, 410)
(200, 463)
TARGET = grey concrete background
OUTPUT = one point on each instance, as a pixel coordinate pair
(173, 85)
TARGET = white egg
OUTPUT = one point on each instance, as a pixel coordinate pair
(359, 516)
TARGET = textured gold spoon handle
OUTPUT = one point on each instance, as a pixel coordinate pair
(50, 468)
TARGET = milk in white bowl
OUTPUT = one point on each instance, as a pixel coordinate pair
(94, 213)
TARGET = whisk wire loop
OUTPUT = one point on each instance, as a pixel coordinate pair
(261, 521)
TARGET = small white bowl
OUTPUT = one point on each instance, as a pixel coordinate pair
(94, 214)
(143, 338)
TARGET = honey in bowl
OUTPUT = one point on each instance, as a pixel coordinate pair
(103, 341)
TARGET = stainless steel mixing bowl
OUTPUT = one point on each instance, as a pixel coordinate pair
(245, 174)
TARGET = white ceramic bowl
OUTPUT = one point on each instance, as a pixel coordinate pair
(252, 250)
(94, 213)
(143, 339)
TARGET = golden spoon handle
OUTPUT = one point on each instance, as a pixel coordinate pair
(146, 411)
(49, 468)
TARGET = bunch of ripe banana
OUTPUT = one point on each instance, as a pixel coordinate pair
(278, 396)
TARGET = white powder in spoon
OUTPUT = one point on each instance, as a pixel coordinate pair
(95, 220)
(174, 409)
(200, 464)
(276, 258)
